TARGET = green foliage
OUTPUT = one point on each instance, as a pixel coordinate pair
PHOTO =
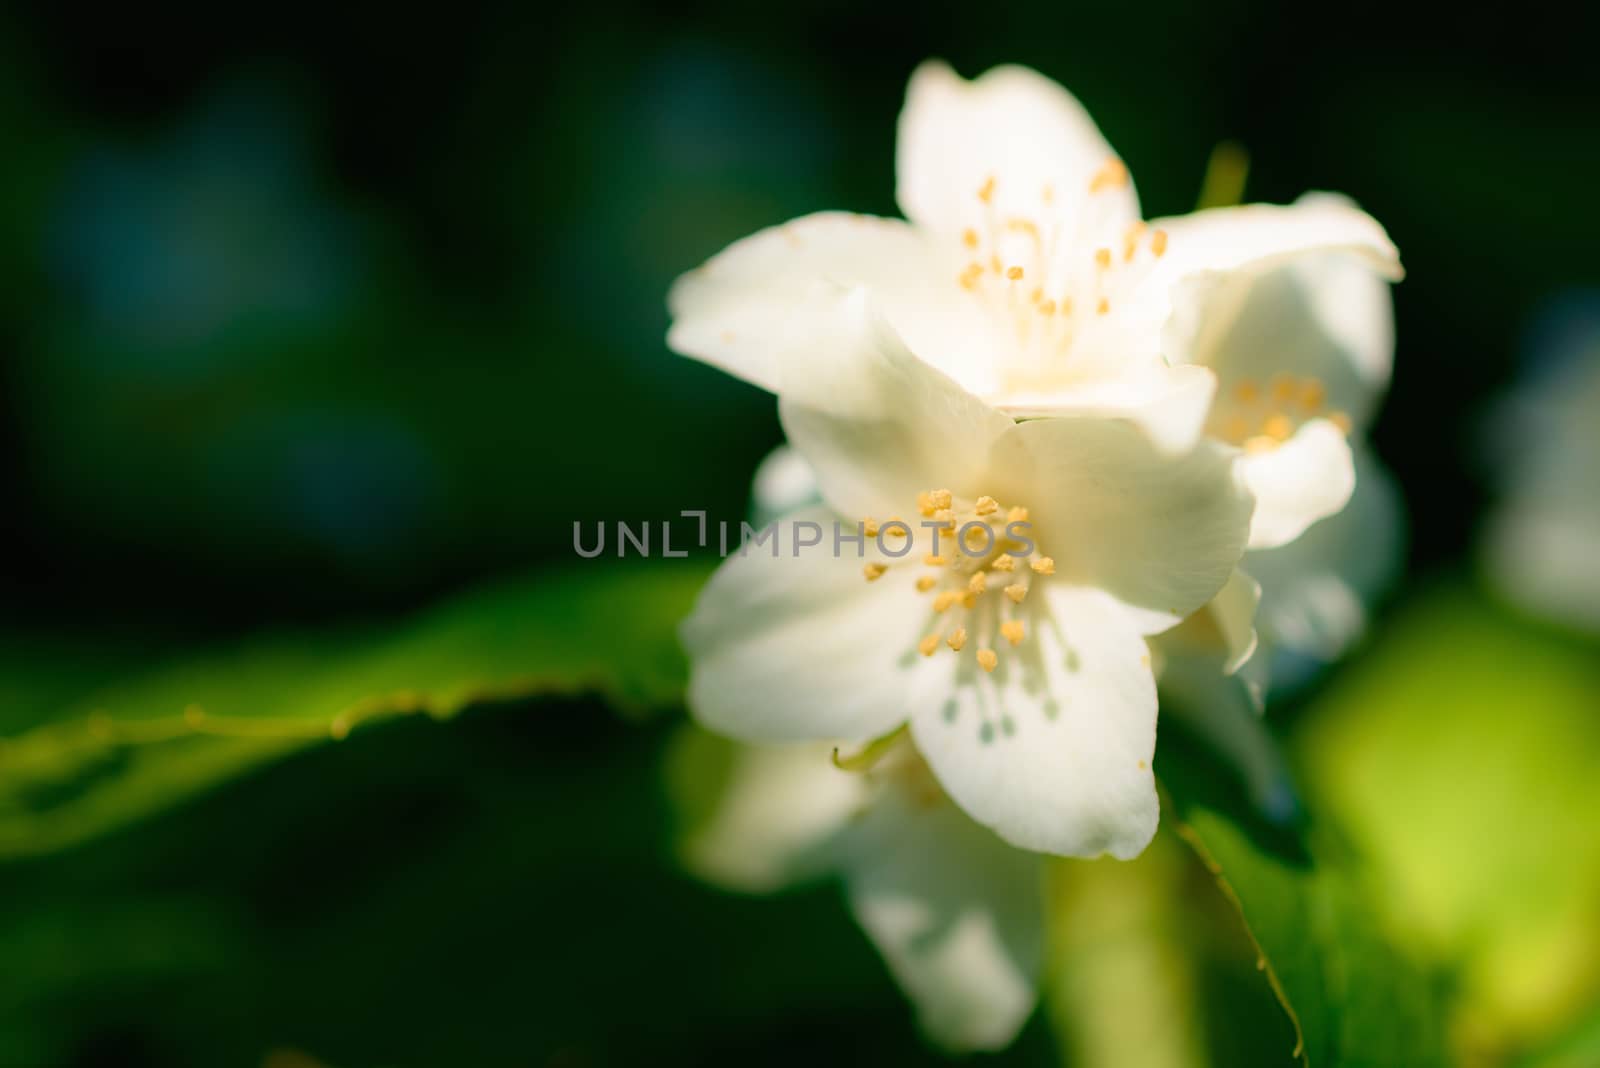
(90, 748)
(1463, 758)
(1353, 998)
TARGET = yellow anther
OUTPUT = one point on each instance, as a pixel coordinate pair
(925, 503)
(969, 599)
(1247, 392)
(1048, 193)
(1017, 514)
(874, 571)
(1283, 388)
(986, 506)
(1004, 562)
(1016, 591)
(979, 582)
(1023, 226)
(970, 238)
(1102, 258)
(1013, 630)
(1044, 565)
(1103, 307)
(941, 498)
(1259, 444)
(898, 529)
(927, 645)
(1313, 395)
(1109, 176)
(1130, 240)
(926, 583)
(987, 660)
(1236, 428)
(1158, 242)
(1340, 420)
(945, 516)
(1047, 308)
(957, 639)
(869, 526)
(945, 599)
(986, 192)
(1278, 428)
(1036, 296)
(1014, 273)
(934, 560)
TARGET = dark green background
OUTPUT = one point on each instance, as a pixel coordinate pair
(313, 313)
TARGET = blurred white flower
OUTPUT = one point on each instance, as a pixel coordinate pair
(957, 914)
(1543, 542)
(1025, 273)
(1019, 660)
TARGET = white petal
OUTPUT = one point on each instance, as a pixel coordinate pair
(799, 646)
(776, 816)
(747, 310)
(783, 483)
(1326, 317)
(1224, 630)
(878, 425)
(1160, 533)
(956, 913)
(1315, 591)
(1307, 478)
(1013, 125)
(1173, 299)
(1170, 403)
(1052, 750)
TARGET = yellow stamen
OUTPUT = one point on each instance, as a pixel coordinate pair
(941, 498)
(945, 599)
(927, 645)
(987, 660)
(1278, 428)
(1103, 307)
(934, 560)
(986, 506)
(1158, 243)
(1017, 514)
(979, 582)
(1013, 630)
(1014, 273)
(1313, 395)
(970, 238)
(957, 639)
(1044, 565)
(1004, 562)
(869, 526)
(926, 583)
(874, 571)
(1102, 258)
(1247, 391)
(1109, 176)
(986, 192)
(1016, 591)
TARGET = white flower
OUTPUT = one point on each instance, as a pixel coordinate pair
(1025, 273)
(1315, 331)
(1022, 669)
(957, 914)
(1543, 543)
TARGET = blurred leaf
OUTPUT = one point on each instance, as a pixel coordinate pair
(1353, 998)
(83, 765)
(1150, 965)
(1463, 757)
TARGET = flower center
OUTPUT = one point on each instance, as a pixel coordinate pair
(1261, 416)
(1048, 275)
(980, 563)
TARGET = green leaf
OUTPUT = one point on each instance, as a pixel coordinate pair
(1353, 997)
(79, 765)
(1463, 759)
